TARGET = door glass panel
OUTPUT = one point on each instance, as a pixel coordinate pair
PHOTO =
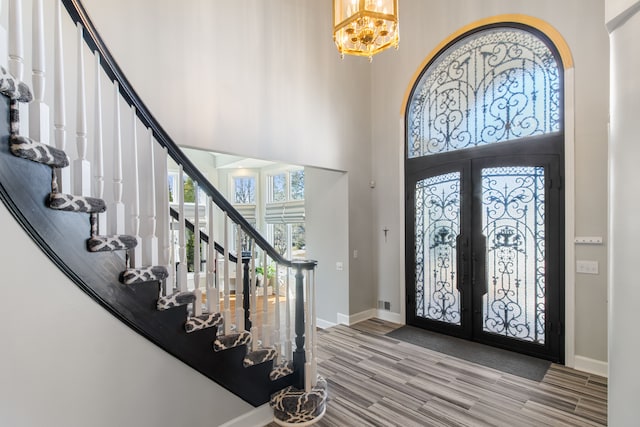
(513, 222)
(437, 213)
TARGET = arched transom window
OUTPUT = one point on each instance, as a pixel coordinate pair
(498, 84)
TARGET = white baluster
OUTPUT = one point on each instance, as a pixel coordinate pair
(150, 244)
(288, 348)
(38, 110)
(227, 310)
(166, 223)
(276, 321)
(135, 253)
(172, 280)
(98, 149)
(81, 166)
(266, 328)
(182, 240)
(239, 306)
(4, 39)
(16, 57)
(254, 298)
(308, 334)
(16, 45)
(117, 214)
(314, 330)
(59, 115)
(197, 306)
(213, 295)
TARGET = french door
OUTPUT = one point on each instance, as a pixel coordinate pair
(484, 235)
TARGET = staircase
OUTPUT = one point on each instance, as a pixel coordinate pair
(126, 247)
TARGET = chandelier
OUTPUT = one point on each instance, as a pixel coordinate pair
(365, 27)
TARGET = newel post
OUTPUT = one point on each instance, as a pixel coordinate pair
(299, 358)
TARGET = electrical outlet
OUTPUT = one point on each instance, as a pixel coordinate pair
(587, 267)
(339, 266)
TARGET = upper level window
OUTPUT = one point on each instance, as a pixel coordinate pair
(285, 186)
(496, 85)
(244, 190)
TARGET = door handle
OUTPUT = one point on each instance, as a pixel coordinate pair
(461, 259)
(479, 272)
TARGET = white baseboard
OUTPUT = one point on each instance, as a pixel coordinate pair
(390, 316)
(355, 318)
(591, 366)
(324, 324)
(349, 320)
(258, 417)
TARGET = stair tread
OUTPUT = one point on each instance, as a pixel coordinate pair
(132, 276)
(72, 203)
(13, 88)
(116, 242)
(224, 342)
(292, 401)
(281, 370)
(35, 151)
(175, 299)
(261, 355)
(197, 323)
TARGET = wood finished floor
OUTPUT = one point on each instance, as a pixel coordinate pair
(375, 380)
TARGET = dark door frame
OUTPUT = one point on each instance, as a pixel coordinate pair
(546, 150)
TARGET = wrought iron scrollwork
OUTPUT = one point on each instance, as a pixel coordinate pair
(513, 221)
(437, 227)
(497, 85)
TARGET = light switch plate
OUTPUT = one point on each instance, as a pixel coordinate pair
(587, 267)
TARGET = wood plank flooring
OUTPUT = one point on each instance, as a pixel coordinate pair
(375, 380)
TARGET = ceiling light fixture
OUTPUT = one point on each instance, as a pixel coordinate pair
(365, 27)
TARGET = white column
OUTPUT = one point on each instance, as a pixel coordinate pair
(135, 253)
(254, 298)
(81, 166)
(59, 115)
(16, 56)
(116, 210)
(213, 295)
(308, 324)
(4, 50)
(166, 236)
(38, 110)
(150, 242)
(277, 339)
(182, 238)
(227, 293)
(197, 306)
(314, 330)
(239, 306)
(288, 348)
(98, 148)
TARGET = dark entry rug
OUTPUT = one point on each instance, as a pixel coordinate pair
(502, 360)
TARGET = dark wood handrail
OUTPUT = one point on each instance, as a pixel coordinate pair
(78, 14)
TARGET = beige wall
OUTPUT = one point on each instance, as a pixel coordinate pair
(624, 152)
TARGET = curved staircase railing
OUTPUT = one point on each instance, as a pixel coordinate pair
(129, 250)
